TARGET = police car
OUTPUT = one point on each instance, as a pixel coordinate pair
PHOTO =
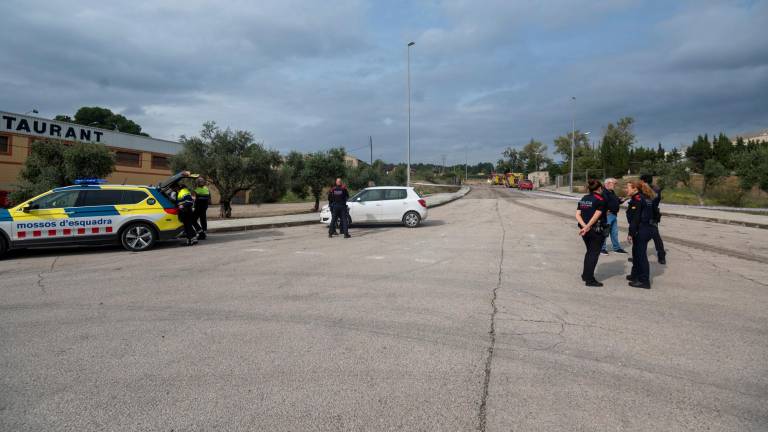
(91, 212)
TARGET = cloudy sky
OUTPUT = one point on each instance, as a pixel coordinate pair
(311, 74)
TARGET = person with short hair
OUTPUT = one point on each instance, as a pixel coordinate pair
(590, 214)
(613, 204)
(337, 197)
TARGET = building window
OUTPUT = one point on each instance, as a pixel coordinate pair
(5, 144)
(160, 162)
(130, 159)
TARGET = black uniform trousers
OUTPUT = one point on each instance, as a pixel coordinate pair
(641, 270)
(338, 211)
(187, 217)
(201, 215)
(658, 244)
(594, 242)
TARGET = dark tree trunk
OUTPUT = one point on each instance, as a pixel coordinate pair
(225, 209)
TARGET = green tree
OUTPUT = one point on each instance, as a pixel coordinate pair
(103, 118)
(534, 156)
(52, 164)
(699, 152)
(273, 189)
(315, 171)
(513, 160)
(230, 160)
(362, 176)
(713, 172)
(722, 151)
(582, 149)
(752, 167)
(616, 147)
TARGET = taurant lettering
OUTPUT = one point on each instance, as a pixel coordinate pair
(23, 126)
(40, 127)
(9, 122)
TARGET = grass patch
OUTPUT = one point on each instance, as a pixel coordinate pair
(431, 190)
(716, 197)
(290, 197)
(680, 196)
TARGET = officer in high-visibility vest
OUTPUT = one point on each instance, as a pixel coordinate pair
(202, 200)
(185, 203)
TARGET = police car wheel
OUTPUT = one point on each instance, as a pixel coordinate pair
(411, 219)
(138, 237)
(3, 246)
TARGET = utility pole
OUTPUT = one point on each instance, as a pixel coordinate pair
(573, 139)
(370, 140)
(408, 174)
(443, 170)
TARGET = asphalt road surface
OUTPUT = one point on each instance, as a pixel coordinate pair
(475, 321)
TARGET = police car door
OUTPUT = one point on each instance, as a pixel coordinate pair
(39, 221)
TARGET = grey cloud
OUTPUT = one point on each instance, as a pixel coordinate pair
(308, 75)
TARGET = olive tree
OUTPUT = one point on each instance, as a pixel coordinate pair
(231, 161)
(310, 174)
(53, 164)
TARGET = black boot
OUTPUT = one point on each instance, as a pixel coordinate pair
(593, 283)
(638, 284)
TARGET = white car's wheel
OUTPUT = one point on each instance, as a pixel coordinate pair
(138, 237)
(411, 219)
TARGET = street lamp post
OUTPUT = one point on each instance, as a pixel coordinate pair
(573, 139)
(408, 174)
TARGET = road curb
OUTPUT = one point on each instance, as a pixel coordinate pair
(692, 217)
(463, 192)
(251, 227)
(716, 220)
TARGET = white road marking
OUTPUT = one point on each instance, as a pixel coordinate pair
(425, 260)
(255, 250)
(375, 257)
(307, 253)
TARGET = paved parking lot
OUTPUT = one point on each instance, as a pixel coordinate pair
(475, 321)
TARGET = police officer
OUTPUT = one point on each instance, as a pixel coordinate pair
(185, 204)
(661, 253)
(590, 214)
(202, 200)
(642, 228)
(613, 203)
(337, 198)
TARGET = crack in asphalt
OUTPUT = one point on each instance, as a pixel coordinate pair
(41, 275)
(482, 412)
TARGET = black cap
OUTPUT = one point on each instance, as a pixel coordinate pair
(647, 178)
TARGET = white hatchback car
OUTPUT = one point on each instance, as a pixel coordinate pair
(383, 204)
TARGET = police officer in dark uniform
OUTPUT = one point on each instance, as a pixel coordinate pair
(337, 197)
(661, 253)
(591, 216)
(642, 228)
(185, 204)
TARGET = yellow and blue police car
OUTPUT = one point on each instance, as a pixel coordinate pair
(91, 212)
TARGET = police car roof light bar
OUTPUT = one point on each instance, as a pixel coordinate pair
(89, 181)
